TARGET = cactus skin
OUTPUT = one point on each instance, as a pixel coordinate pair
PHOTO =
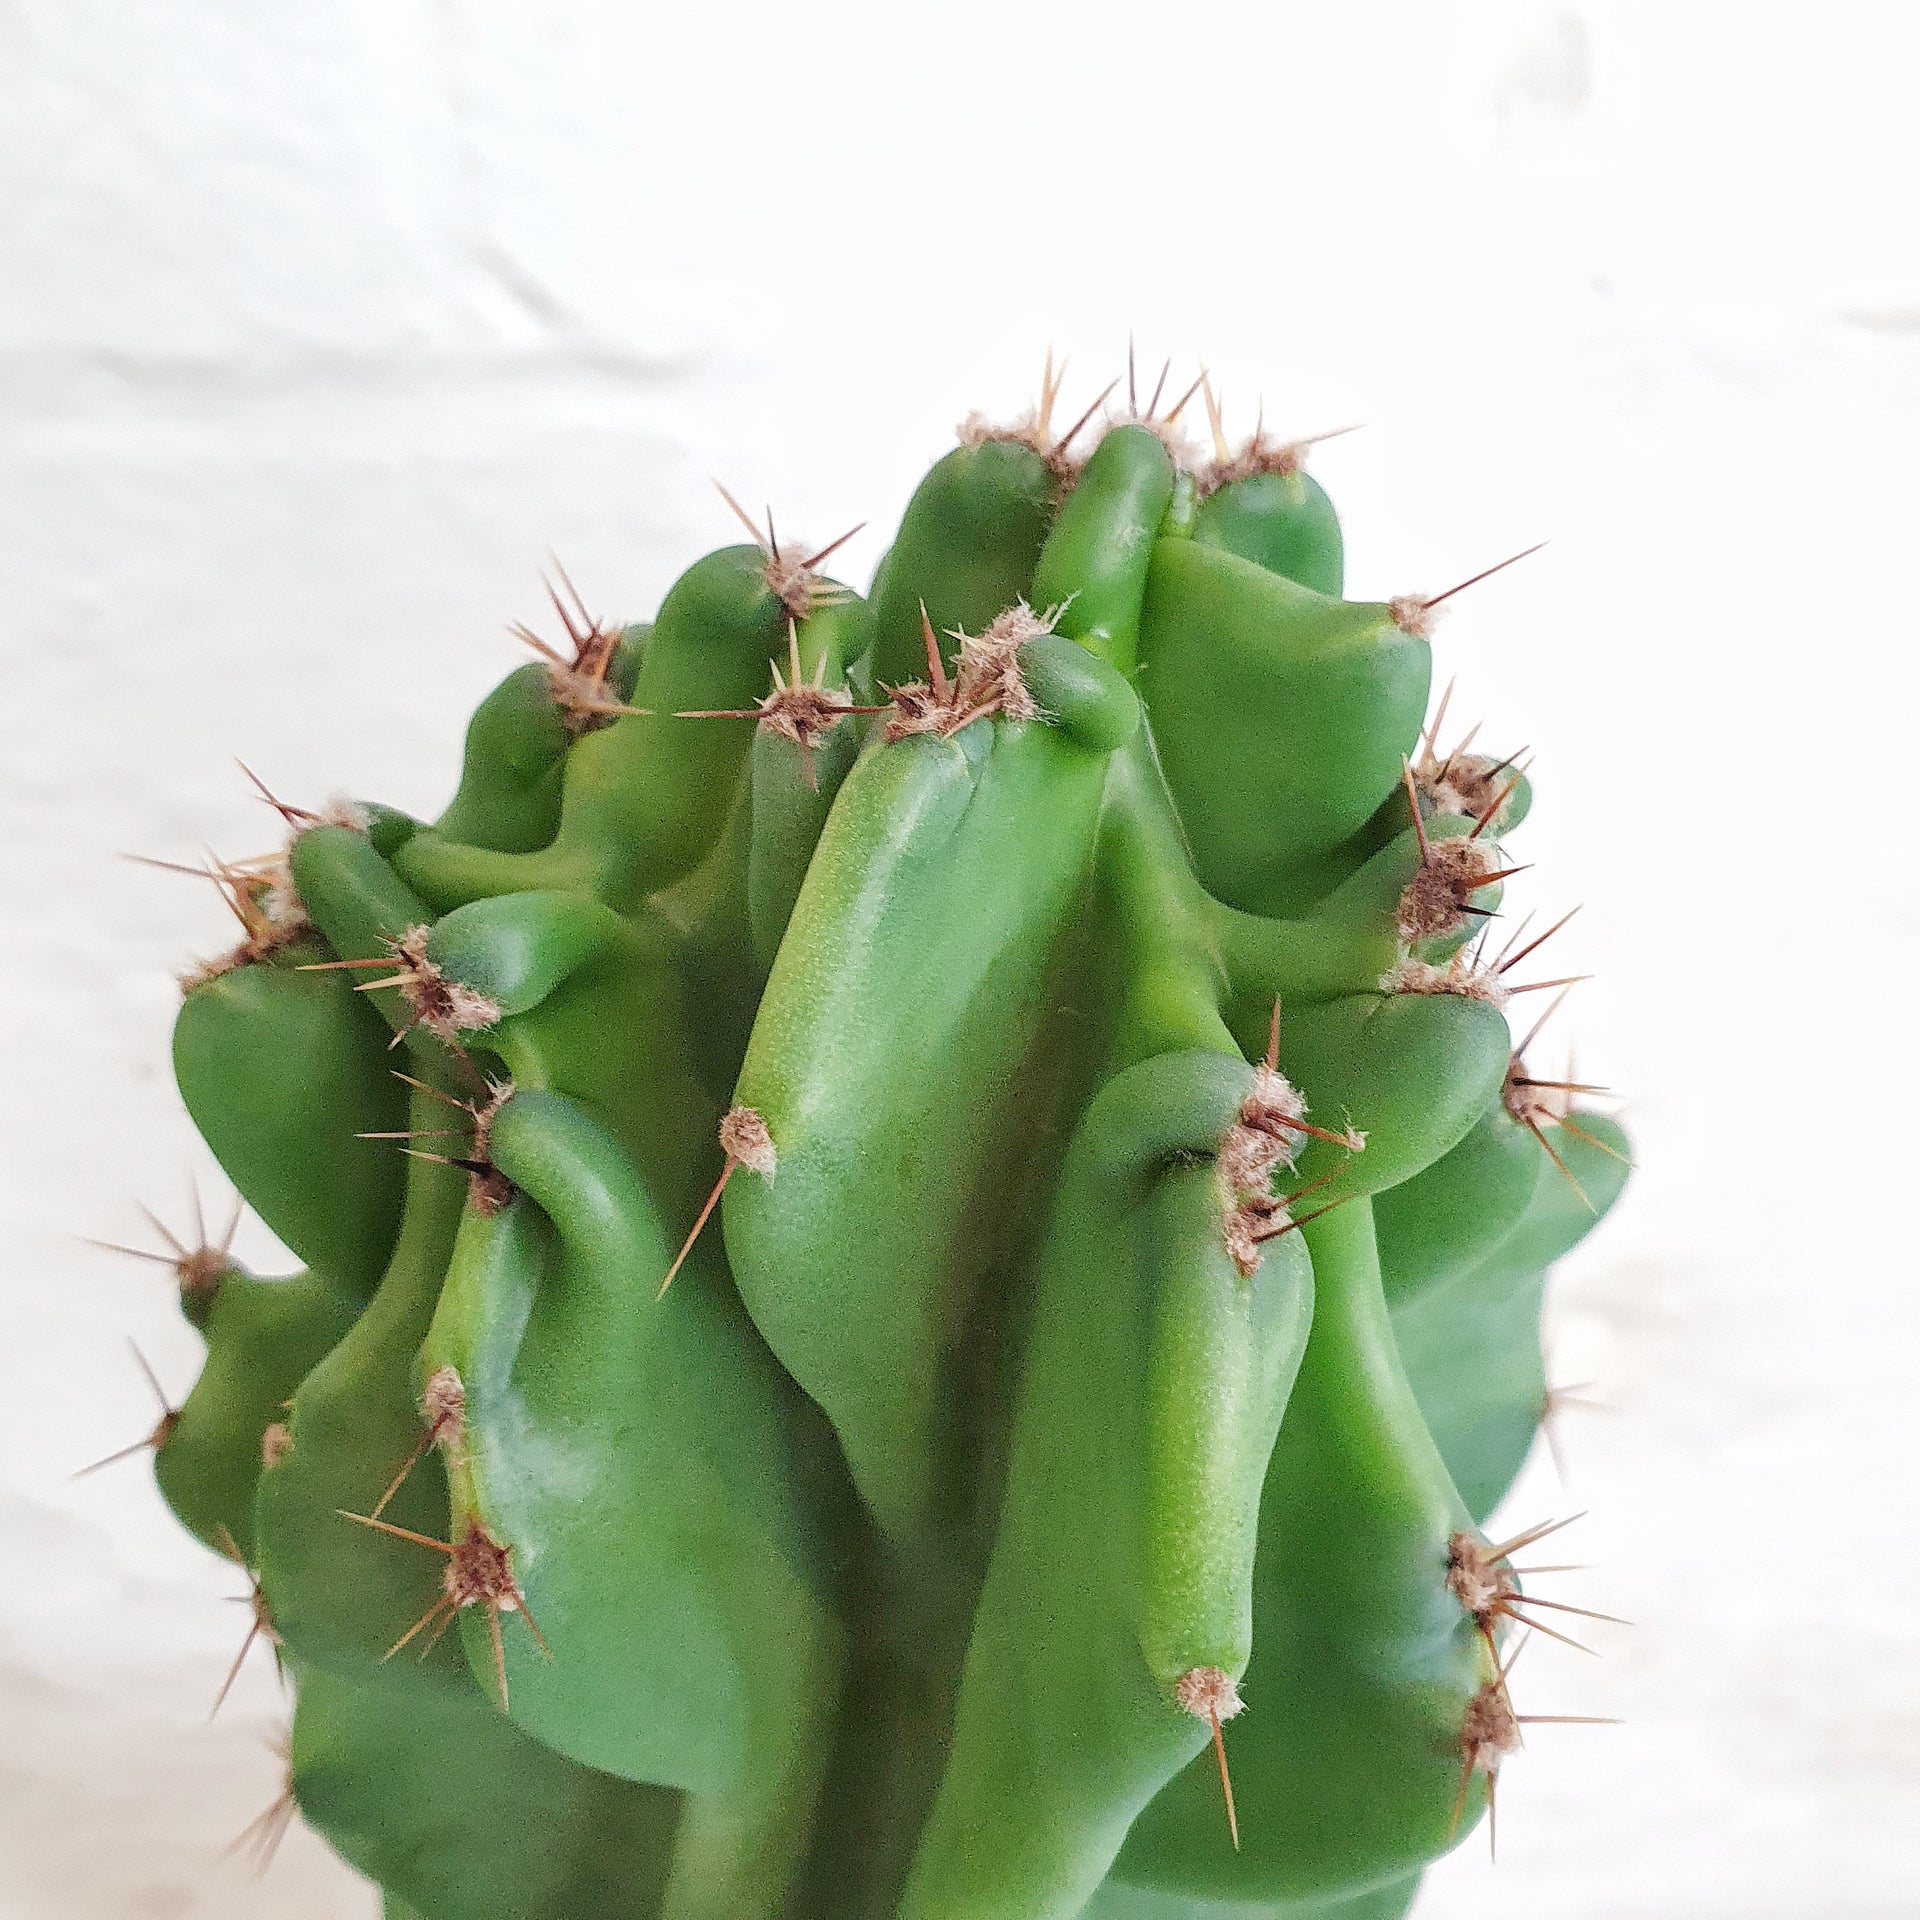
(1122, 1284)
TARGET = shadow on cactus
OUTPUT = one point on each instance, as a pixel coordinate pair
(925, 1236)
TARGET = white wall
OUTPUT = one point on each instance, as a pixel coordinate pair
(320, 325)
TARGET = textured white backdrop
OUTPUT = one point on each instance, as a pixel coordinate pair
(321, 325)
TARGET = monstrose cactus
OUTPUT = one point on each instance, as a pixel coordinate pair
(924, 1237)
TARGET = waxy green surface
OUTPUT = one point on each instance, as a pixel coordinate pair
(1346, 1765)
(460, 1816)
(263, 1338)
(1155, 1379)
(858, 1575)
(285, 1072)
(640, 1464)
(1471, 1342)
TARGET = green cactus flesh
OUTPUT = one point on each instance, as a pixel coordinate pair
(908, 1201)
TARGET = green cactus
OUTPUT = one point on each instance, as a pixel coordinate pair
(904, 1198)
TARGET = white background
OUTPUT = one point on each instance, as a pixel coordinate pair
(320, 325)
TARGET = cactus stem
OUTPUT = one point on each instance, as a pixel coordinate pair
(1209, 1694)
(479, 1573)
(162, 1428)
(260, 1627)
(1194, 812)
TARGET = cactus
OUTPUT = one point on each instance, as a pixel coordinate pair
(910, 1202)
